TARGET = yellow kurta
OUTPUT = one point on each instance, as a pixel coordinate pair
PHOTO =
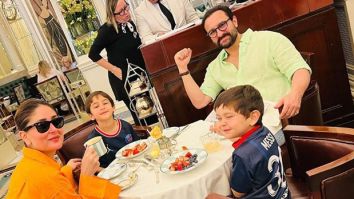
(41, 177)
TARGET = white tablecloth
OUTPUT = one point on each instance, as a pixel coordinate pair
(211, 176)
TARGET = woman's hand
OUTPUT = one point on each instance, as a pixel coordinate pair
(74, 163)
(90, 164)
(117, 72)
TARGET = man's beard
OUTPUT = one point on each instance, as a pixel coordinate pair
(233, 35)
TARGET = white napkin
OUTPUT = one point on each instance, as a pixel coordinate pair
(271, 117)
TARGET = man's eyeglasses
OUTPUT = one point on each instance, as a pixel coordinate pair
(43, 126)
(221, 27)
(123, 11)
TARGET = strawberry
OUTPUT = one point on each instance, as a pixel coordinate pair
(179, 167)
(188, 155)
(125, 153)
(135, 151)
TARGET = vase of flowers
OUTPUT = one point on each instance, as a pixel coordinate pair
(79, 15)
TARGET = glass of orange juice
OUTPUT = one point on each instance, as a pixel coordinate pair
(156, 132)
(210, 143)
(155, 150)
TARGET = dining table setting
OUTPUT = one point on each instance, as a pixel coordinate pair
(189, 161)
(175, 163)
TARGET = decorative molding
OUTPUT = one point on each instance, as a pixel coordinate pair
(13, 76)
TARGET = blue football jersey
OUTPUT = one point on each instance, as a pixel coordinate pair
(124, 135)
(257, 167)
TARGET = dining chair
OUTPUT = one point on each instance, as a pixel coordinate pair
(78, 82)
(73, 146)
(52, 92)
(321, 161)
(19, 93)
(310, 111)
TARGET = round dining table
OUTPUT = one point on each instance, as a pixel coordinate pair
(213, 175)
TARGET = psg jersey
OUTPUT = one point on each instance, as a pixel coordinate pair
(124, 135)
(257, 167)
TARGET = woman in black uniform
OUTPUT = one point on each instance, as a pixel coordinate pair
(121, 40)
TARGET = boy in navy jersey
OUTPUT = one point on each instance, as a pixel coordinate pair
(115, 133)
(257, 170)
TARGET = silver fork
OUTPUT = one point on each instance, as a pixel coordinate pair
(156, 168)
(133, 172)
(179, 132)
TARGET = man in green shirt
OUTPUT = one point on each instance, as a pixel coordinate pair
(264, 59)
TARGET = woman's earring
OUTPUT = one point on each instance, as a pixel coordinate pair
(28, 144)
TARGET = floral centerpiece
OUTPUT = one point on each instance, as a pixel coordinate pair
(80, 16)
(83, 45)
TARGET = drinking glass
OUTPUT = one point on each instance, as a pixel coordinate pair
(211, 143)
(155, 150)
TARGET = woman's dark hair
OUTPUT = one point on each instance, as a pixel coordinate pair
(25, 111)
(94, 94)
(225, 9)
(244, 99)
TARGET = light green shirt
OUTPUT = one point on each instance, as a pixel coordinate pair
(267, 61)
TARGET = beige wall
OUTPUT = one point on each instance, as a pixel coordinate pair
(96, 77)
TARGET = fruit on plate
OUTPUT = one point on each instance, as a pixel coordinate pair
(135, 150)
(184, 162)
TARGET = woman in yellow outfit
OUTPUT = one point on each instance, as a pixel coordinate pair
(38, 175)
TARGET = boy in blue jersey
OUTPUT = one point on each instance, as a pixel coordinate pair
(257, 170)
(115, 133)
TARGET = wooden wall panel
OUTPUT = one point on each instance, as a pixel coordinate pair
(292, 8)
(312, 27)
(320, 34)
(174, 100)
(317, 4)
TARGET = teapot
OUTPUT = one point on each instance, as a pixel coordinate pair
(144, 105)
(135, 85)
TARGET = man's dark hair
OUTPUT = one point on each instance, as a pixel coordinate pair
(244, 99)
(225, 9)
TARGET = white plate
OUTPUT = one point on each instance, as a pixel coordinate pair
(202, 155)
(132, 145)
(126, 183)
(168, 132)
(112, 171)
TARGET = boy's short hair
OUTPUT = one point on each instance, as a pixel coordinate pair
(94, 94)
(244, 99)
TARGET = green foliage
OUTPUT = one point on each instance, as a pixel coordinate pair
(77, 10)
